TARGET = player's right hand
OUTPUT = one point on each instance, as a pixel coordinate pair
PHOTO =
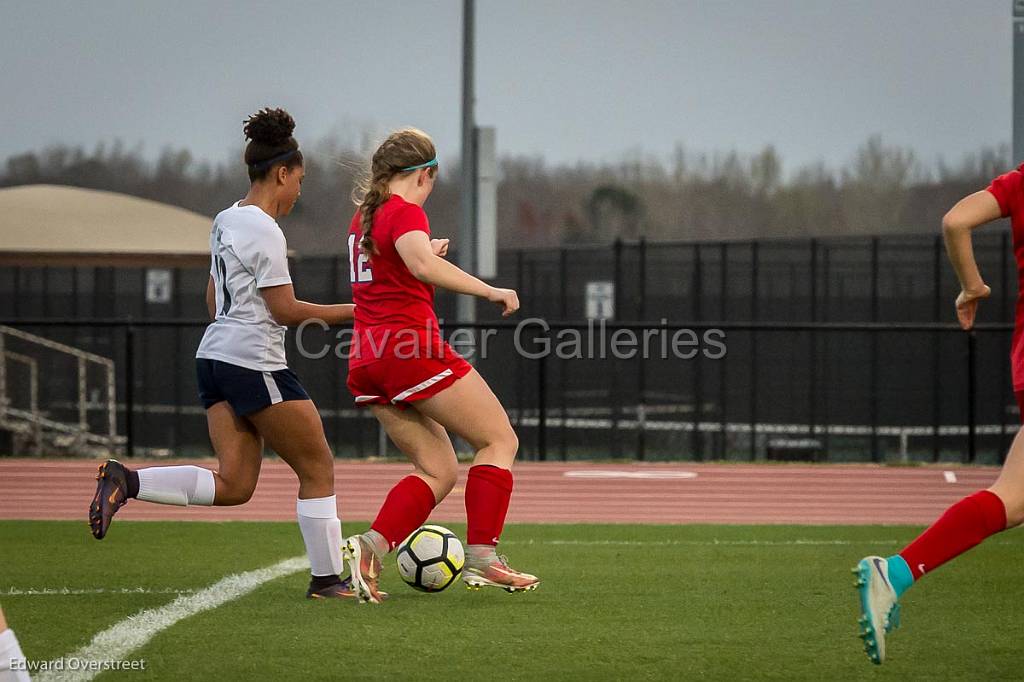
(967, 305)
(506, 298)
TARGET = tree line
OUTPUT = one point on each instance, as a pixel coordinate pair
(684, 195)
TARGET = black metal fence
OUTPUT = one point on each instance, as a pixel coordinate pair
(879, 279)
(844, 342)
(940, 394)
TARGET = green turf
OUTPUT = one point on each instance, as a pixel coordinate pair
(673, 604)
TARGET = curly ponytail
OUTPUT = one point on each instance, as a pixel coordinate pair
(402, 149)
(269, 132)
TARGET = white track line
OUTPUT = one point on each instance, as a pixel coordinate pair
(67, 591)
(651, 473)
(950, 476)
(116, 642)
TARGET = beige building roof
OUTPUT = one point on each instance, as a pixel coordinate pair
(56, 225)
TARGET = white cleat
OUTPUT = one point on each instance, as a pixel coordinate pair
(879, 608)
(364, 567)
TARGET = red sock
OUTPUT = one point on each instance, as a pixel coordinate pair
(405, 509)
(963, 526)
(488, 491)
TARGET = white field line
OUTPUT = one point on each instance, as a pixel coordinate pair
(69, 591)
(716, 543)
(124, 637)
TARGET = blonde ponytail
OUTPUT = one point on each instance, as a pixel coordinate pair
(402, 150)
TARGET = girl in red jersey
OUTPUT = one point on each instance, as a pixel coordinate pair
(249, 394)
(967, 523)
(416, 385)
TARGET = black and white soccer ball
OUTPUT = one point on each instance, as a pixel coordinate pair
(431, 558)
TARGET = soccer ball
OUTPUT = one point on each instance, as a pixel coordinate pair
(430, 559)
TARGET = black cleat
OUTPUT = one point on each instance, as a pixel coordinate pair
(111, 495)
(340, 590)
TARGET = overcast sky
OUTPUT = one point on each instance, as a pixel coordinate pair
(592, 80)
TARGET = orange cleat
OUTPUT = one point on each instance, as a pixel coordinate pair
(497, 573)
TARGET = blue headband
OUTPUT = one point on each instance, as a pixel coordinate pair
(274, 159)
(428, 164)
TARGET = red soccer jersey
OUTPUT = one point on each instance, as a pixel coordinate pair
(1008, 189)
(388, 298)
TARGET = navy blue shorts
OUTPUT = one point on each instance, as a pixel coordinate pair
(246, 390)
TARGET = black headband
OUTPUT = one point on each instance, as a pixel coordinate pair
(259, 165)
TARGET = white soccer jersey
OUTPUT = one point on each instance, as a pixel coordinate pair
(247, 252)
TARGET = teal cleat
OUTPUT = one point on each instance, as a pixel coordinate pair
(879, 609)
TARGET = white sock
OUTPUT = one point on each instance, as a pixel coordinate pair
(321, 532)
(181, 485)
(480, 555)
(12, 661)
(378, 543)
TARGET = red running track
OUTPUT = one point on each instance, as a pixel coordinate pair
(554, 493)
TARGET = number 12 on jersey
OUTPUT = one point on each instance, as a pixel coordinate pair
(358, 264)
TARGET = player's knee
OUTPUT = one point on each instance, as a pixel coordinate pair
(1014, 511)
(319, 470)
(508, 442)
(442, 477)
(235, 493)
(447, 478)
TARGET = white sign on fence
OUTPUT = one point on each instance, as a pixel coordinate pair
(600, 300)
(158, 285)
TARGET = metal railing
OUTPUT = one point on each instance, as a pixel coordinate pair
(35, 419)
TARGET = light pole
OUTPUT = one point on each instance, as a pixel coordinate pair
(466, 248)
(1018, 82)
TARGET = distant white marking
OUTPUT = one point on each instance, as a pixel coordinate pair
(600, 473)
(116, 642)
(67, 591)
(949, 476)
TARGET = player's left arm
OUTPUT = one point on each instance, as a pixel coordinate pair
(288, 310)
(969, 213)
(211, 299)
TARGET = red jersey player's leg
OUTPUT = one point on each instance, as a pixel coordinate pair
(964, 525)
(470, 409)
(410, 501)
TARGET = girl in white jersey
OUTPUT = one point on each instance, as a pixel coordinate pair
(248, 391)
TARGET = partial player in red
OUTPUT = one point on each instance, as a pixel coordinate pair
(416, 385)
(250, 395)
(882, 581)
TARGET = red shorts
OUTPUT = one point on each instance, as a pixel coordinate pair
(401, 381)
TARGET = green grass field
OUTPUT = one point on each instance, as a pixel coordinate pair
(617, 601)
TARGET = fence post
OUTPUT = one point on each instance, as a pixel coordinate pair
(617, 276)
(813, 355)
(542, 408)
(722, 376)
(1004, 373)
(520, 372)
(616, 394)
(876, 455)
(755, 276)
(129, 391)
(972, 387)
(698, 383)
(563, 367)
(937, 247)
